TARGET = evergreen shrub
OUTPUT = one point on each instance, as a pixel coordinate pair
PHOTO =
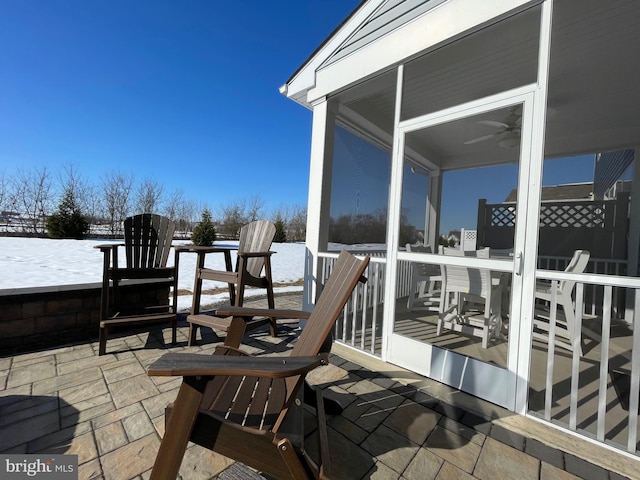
(204, 234)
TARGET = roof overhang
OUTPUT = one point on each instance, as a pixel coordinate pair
(458, 52)
(446, 21)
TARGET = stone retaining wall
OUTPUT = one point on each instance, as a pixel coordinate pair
(43, 317)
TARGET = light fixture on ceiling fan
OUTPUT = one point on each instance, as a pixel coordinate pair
(510, 140)
(508, 131)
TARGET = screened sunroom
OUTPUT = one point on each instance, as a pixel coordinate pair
(484, 153)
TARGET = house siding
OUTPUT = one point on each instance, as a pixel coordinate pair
(393, 14)
(609, 169)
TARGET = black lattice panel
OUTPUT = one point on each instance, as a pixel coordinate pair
(568, 215)
(599, 226)
(576, 215)
(503, 216)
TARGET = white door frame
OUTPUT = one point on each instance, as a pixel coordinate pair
(514, 395)
(490, 382)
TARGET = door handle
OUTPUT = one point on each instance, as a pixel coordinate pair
(518, 265)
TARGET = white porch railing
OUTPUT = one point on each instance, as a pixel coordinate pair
(593, 294)
(360, 325)
(593, 392)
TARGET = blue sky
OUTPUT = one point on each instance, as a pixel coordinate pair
(184, 92)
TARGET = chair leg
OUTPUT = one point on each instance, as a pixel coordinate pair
(193, 330)
(410, 298)
(178, 430)
(485, 335)
(102, 348)
(292, 460)
(273, 326)
(325, 462)
(174, 330)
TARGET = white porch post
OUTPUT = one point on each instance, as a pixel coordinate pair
(522, 331)
(393, 220)
(433, 207)
(320, 167)
(634, 214)
(633, 249)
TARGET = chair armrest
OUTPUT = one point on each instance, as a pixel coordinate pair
(255, 254)
(201, 248)
(110, 258)
(108, 246)
(194, 364)
(231, 311)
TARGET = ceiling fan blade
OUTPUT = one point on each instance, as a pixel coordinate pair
(482, 139)
(493, 123)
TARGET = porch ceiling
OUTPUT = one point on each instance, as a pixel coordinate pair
(593, 91)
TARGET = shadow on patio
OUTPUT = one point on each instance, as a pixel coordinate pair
(395, 424)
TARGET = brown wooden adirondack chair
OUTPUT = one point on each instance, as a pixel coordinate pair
(147, 241)
(244, 407)
(253, 258)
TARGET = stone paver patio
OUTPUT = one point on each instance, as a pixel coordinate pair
(395, 424)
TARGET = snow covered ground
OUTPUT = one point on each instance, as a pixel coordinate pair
(37, 262)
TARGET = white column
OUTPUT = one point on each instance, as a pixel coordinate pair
(519, 358)
(320, 168)
(433, 209)
(633, 248)
(634, 216)
(393, 220)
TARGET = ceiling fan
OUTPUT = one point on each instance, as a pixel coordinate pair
(507, 131)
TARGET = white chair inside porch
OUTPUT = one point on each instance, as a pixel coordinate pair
(425, 278)
(470, 299)
(564, 314)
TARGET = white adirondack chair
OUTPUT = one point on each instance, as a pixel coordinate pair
(566, 311)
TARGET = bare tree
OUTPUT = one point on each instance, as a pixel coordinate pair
(189, 215)
(148, 196)
(6, 200)
(117, 188)
(88, 198)
(233, 217)
(92, 202)
(75, 184)
(297, 224)
(173, 203)
(181, 210)
(254, 204)
(33, 197)
(5, 192)
(282, 212)
(71, 181)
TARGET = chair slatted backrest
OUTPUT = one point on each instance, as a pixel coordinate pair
(577, 264)
(346, 273)
(464, 279)
(147, 239)
(256, 237)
